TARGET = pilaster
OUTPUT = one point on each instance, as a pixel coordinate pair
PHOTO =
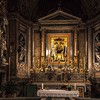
(42, 46)
(90, 52)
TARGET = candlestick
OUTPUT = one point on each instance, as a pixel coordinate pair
(75, 86)
(65, 50)
(42, 86)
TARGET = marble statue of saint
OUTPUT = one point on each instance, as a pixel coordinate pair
(22, 54)
(3, 23)
(98, 57)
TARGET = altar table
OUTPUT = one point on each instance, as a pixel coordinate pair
(57, 93)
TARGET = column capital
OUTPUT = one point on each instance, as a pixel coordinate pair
(43, 30)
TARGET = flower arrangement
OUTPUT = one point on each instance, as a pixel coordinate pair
(67, 87)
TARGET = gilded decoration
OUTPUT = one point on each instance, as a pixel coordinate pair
(97, 66)
(58, 48)
(59, 53)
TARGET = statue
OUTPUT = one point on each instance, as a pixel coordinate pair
(3, 49)
(21, 48)
(97, 57)
(3, 23)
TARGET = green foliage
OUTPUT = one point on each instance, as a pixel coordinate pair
(69, 87)
(10, 87)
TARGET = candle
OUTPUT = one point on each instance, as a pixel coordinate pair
(84, 62)
(75, 86)
(46, 52)
(65, 50)
(85, 88)
(42, 86)
(42, 49)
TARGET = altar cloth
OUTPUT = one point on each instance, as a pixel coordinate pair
(57, 93)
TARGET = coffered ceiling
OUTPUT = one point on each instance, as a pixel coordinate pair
(35, 9)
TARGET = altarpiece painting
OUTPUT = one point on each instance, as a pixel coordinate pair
(59, 48)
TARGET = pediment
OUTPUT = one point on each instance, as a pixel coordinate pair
(59, 15)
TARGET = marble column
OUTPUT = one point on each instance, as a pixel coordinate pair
(42, 46)
(29, 51)
(86, 43)
(90, 50)
(76, 51)
(75, 43)
(33, 50)
(0, 49)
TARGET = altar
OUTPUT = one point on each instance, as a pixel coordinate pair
(54, 93)
(58, 58)
(84, 89)
(57, 93)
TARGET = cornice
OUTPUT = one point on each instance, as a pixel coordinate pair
(46, 22)
(94, 21)
(19, 18)
(61, 27)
